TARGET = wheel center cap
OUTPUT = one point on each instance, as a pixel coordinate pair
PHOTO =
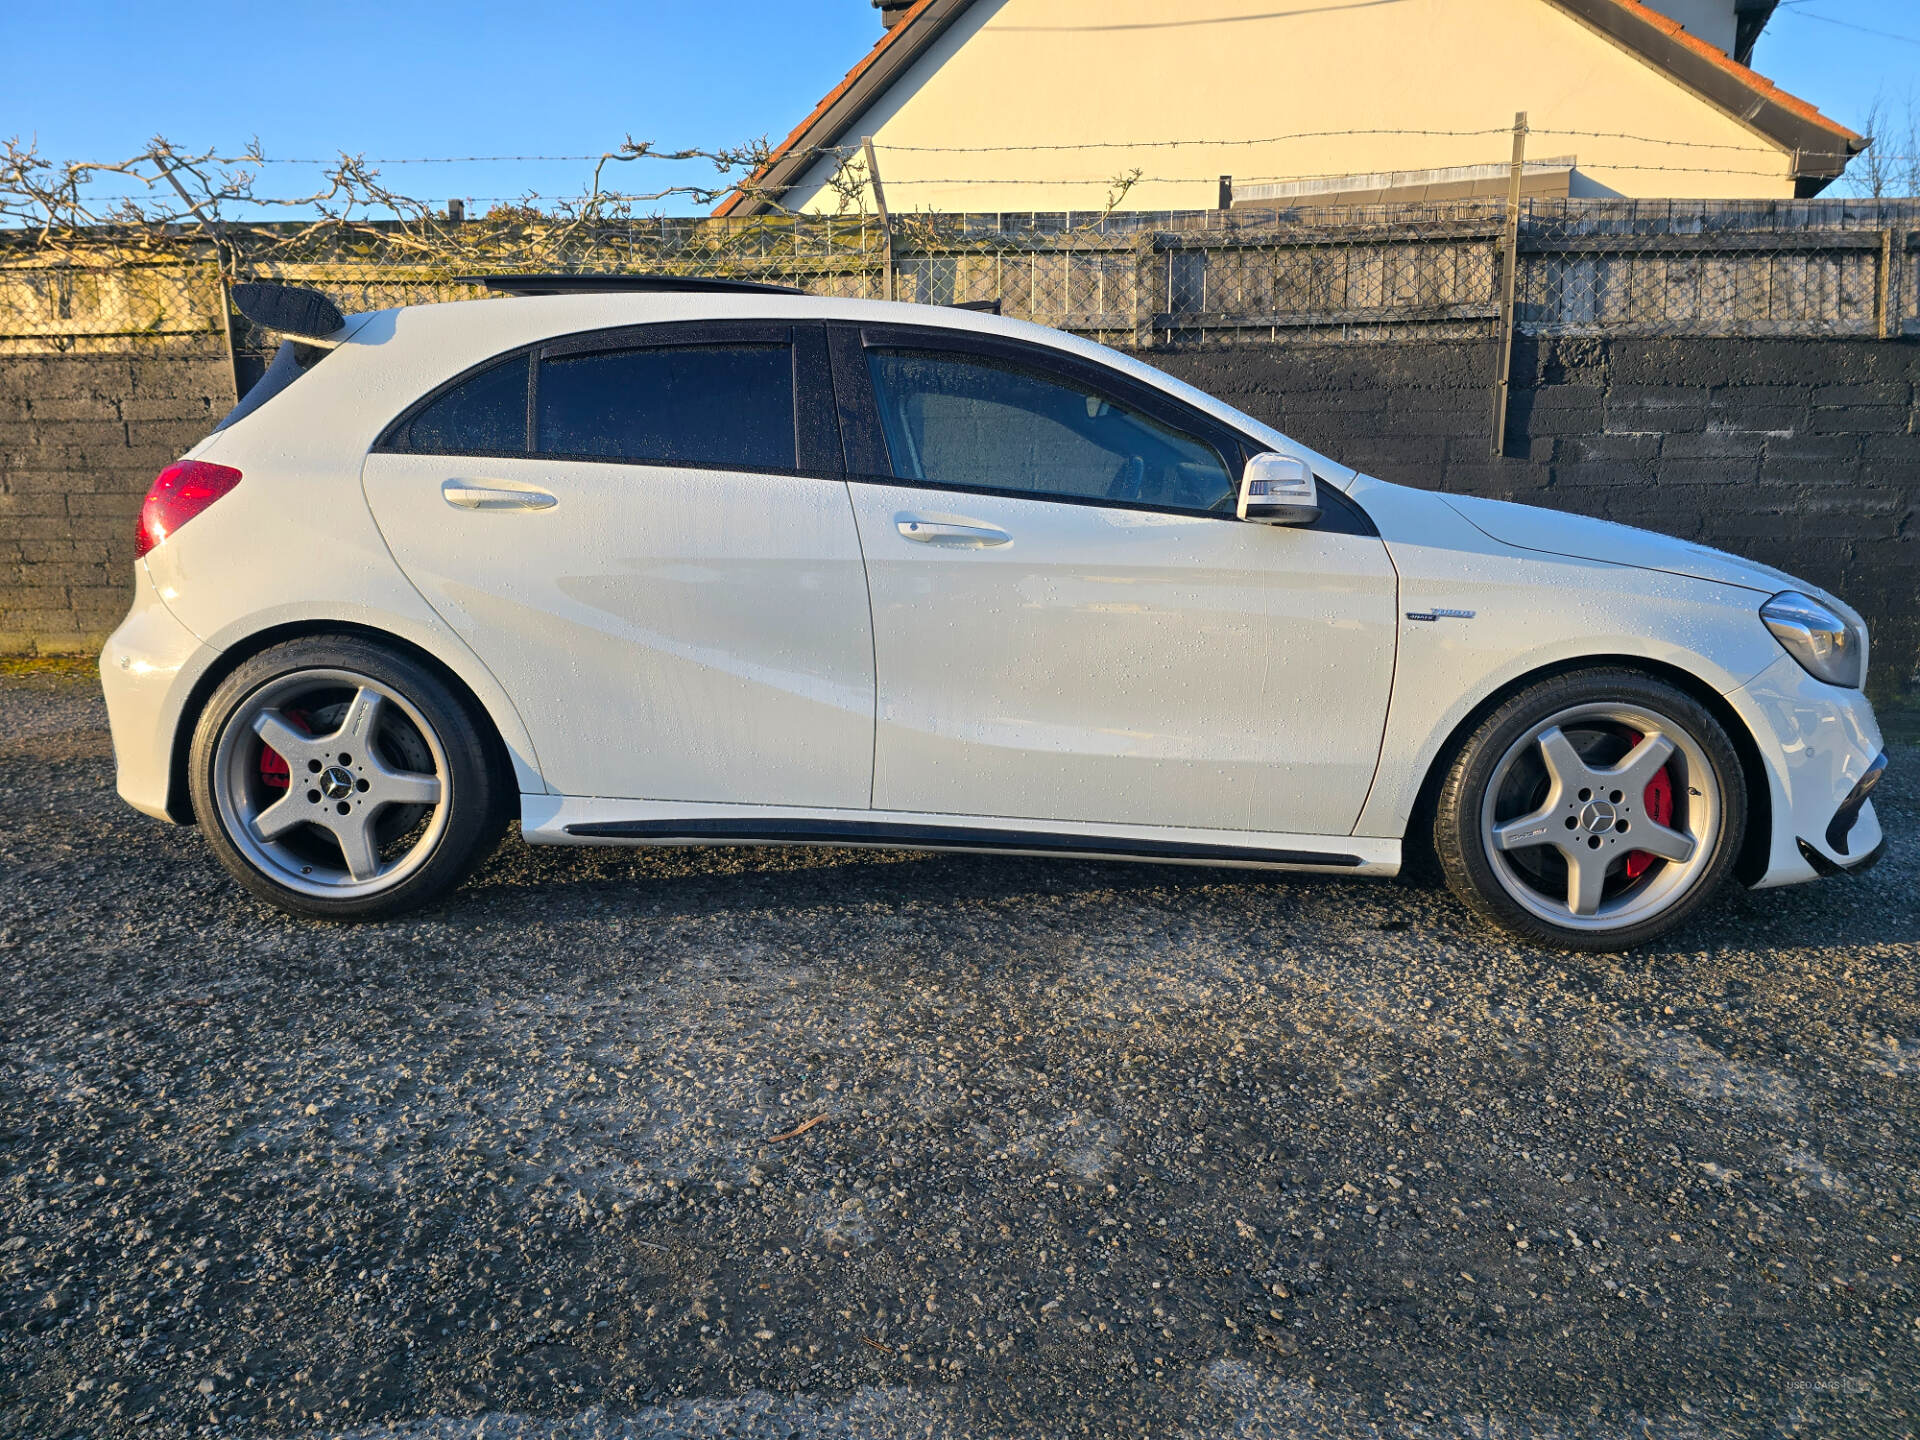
(336, 783)
(1598, 816)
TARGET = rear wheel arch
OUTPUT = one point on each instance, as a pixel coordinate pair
(1419, 859)
(179, 796)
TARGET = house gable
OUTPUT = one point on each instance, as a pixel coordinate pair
(966, 75)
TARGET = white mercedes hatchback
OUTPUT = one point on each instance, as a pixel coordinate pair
(666, 563)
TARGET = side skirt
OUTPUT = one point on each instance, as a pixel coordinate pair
(583, 820)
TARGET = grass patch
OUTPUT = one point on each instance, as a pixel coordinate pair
(67, 665)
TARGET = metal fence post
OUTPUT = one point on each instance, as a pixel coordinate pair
(222, 288)
(880, 204)
(1889, 296)
(1902, 288)
(1146, 255)
(1509, 282)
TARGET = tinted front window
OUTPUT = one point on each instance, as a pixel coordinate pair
(960, 420)
(729, 406)
(485, 413)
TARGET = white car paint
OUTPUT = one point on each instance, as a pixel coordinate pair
(669, 634)
(1553, 532)
(1532, 609)
(1114, 665)
(1816, 742)
(1137, 677)
(148, 668)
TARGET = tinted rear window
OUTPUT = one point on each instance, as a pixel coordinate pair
(725, 406)
(487, 412)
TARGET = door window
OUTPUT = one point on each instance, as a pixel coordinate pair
(977, 423)
(720, 406)
(483, 414)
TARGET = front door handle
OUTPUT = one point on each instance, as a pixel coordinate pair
(467, 495)
(942, 532)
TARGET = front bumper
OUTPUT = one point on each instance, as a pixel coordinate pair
(1820, 746)
(1839, 836)
(147, 670)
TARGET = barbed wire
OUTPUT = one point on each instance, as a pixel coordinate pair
(1083, 182)
(816, 151)
(431, 159)
(1266, 179)
(204, 190)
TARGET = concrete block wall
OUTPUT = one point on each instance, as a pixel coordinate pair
(81, 438)
(1803, 454)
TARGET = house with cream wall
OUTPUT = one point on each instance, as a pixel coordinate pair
(1012, 105)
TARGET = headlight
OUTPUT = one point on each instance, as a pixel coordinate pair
(1827, 647)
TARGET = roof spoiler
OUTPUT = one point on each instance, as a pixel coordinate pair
(653, 284)
(288, 309)
(616, 284)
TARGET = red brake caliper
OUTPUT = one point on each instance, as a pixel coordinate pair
(1657, 804)
(273, 766)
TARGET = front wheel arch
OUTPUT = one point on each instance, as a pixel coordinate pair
(1418, 858)
(179, 791)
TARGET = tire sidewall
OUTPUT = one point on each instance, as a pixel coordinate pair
(476, 803)
(1457, 825)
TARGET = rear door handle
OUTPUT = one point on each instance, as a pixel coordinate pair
(942, 532)
(466, 495)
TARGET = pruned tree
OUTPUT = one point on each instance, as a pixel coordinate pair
(193, 196)
(1890, 166)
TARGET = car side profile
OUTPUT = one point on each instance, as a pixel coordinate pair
(647, 564)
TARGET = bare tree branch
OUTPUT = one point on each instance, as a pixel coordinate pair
(184, 197)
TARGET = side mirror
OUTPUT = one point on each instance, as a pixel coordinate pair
(1278, 490)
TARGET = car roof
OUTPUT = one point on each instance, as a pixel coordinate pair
(596, 309)
(407, 351)
(432, 343)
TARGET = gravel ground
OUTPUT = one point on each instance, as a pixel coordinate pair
(823, 1143)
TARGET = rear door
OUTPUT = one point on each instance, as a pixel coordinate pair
(1070, 623)
(646, 535)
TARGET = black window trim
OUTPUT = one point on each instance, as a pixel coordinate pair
(816, 429)
(864, 439)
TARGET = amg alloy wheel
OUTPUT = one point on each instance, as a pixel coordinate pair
(336, 778)
(1592, 812)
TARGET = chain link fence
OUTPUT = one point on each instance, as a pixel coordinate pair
(1379, 274)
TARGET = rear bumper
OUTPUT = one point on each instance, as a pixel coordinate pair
(147, 670)
(1822, 751)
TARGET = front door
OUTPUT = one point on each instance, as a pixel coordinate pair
(1069, 622)
(657, 558)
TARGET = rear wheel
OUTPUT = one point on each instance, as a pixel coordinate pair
(338, 779)
(1592, 812)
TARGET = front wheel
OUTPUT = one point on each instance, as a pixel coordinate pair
(1592, 811)
(340, 780)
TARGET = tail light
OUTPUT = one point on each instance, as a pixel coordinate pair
(178, 493)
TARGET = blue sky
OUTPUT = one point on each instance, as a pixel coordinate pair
(95, 78)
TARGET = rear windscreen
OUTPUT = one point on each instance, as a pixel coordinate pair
(290, 362)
